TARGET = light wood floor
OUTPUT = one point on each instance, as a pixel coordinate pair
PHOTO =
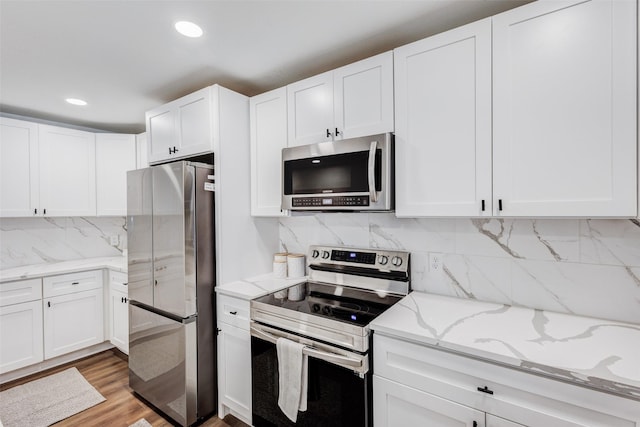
(108, 373)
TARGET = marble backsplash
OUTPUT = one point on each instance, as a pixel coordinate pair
(588, 267)
(27, 241)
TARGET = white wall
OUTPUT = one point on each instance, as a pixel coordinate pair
(586, 267)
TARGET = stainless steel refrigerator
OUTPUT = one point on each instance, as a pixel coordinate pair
(171, 261)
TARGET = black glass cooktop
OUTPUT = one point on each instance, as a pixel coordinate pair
(355, 306)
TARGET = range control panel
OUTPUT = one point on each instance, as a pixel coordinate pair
(368, 258)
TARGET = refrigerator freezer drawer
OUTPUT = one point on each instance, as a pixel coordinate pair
(163, 363)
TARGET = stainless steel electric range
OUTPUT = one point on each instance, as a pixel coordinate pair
(330, 315)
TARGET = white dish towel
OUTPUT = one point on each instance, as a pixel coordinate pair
(292, 379)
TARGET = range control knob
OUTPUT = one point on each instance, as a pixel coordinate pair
(315, 308)
(325, 255)
(315, 253)
(383, 260)
(326, 309)
(396, 261)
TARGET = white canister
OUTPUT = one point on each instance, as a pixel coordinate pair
(280, 269)
(280, 257)
(295, 265)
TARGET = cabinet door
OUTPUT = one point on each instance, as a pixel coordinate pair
(564, 80)
(268, 118)
(194, 123)
(234, 357)
(115, 155)
(21, 335)
(18, 168)
(119, 319)
(310, 110)
(161, 132)
(443, 123)
(493, 421)
(72, 322)
(67, 172)
(363, 97)
(395, 404)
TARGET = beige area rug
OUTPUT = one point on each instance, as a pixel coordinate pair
(47, 400)
(141, 423)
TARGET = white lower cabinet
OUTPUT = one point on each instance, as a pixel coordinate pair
(20, 324)
(419, 385)
(234, 358)
(493, 421)
(72, 312)
(395, 404)
(119, 311)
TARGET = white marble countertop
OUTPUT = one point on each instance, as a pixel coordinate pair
(40, 270)
(592, 352)
(257, 286)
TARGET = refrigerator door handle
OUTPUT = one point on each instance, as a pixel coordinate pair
(183, 320)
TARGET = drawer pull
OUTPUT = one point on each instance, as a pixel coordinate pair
(233, 312)
(75, 283)
(485, 389)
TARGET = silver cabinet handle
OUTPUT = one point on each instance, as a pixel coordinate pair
(372, 171)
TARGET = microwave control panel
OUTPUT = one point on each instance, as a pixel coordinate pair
(329, 201)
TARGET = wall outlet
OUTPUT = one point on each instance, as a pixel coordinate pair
(435, 263)
(114, 240)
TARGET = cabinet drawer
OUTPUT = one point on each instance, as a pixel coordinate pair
(118, 277)
(118, 282)
(71, 283)
(522, 397)
(233, 311)
(20, 291)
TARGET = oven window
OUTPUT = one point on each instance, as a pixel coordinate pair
(336, 396)
(338, 173)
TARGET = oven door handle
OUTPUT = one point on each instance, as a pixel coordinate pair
(313, 352)
(373, 195)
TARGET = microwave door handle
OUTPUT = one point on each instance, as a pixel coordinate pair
(372, 171)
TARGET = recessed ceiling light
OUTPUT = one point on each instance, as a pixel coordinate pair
(76, 101)
(188, 29)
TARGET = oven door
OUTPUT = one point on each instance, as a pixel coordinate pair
(339, 383)
(353, 174)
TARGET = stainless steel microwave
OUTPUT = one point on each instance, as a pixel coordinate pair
(349, 175)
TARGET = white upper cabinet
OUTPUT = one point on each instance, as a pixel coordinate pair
(268, 119)
(115, 155)
(354, 100)
(363, 97)
(181, 128)
(310, 104)
(67, 172)
(556, 80)
(443, 124)
(19, 169)
(564, 81)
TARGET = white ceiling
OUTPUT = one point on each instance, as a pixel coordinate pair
(124, 57)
